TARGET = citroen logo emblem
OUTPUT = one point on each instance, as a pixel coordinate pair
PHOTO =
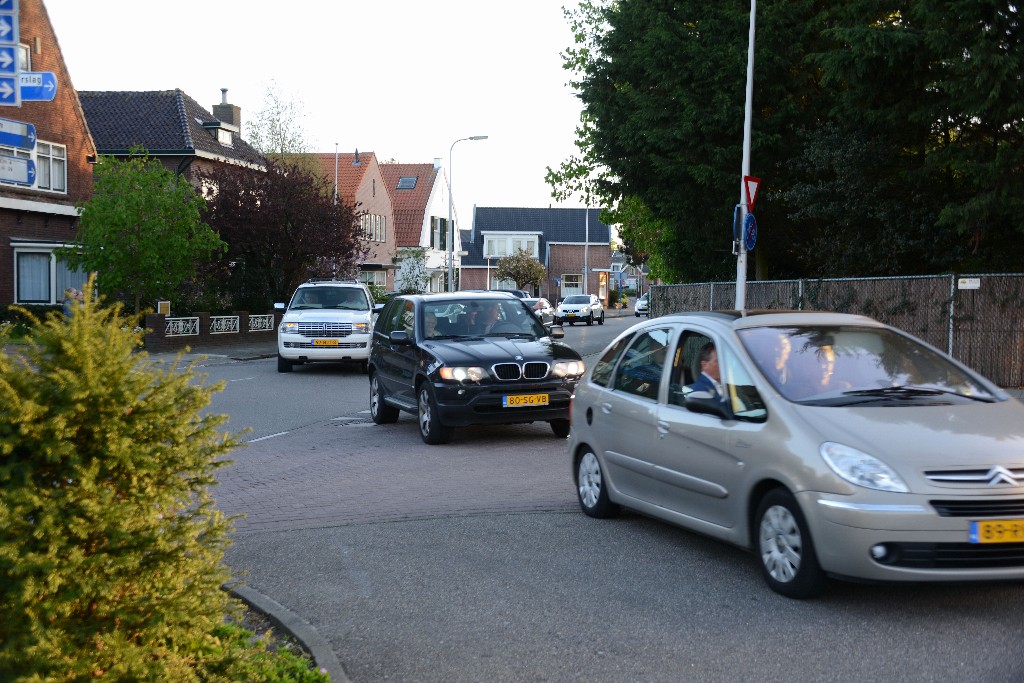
(1000, 475)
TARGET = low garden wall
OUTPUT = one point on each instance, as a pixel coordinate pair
(170, 333)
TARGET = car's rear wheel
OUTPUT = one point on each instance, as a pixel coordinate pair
(380, 412)
(788, 560)
(283, 364)
(431, 430)
(590, 487)
(560, 428)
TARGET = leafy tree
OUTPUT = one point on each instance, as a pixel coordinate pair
(282, 227)
(412, 276)
(141, 232)
(522, 268)
(278, 132)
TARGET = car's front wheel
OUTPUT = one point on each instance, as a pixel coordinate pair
(788, 561)
(590, 487)
(560, 428)
(601, 321)
(431, 430)
(380, 412)
(638, 314)
(590, 320)
(283, 364)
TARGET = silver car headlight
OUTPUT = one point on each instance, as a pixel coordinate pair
(861, 469)
(463, 374)
(568, 368)
(290, 328)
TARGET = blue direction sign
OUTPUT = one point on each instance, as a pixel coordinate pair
(10, 91)
(38, 86)
(8, 60)
(749, 232)
(17, 134)
(17, 170)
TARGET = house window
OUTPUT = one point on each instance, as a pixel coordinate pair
(407, 182)
(24, 58)
(40, 277)
(51, 165)
(527, 244)
(224, 137)
(373, 277)
(572, 283)
(374, 227)
(496, 247)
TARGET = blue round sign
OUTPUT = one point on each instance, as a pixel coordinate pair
(749, 232)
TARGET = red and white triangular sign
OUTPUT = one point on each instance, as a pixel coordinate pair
(750, 183)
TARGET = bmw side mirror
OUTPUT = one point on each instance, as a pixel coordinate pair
(555, 331)
(400, 337)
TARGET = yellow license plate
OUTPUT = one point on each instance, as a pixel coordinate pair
(997, 531)
(325, 342)
(524, 400)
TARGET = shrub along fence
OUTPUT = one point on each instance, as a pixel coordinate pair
(977, 319)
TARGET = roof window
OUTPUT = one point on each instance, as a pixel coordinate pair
(407, 182)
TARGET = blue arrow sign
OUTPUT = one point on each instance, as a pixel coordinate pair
(9, 91)
(8, 60)
(17, 170)
(17, 134)
(38, 86)
(8, 5)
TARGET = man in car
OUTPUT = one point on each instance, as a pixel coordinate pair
(710, 380)
(490, 314)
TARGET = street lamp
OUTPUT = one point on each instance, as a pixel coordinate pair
(451, 223)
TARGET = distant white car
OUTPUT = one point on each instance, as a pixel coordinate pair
(326, 320)
(541, 308)
(580, 308)
(643, 306)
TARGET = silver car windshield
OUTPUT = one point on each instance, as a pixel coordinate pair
(849, 365)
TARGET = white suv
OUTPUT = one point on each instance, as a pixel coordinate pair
(326, 320)
(580, 308)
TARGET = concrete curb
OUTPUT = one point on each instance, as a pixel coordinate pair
(288, 621)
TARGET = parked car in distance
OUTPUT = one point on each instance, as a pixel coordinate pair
(325, 320)
(541, 308)
(642, 306)
(831, 445)
(580, 308)
(467, 358)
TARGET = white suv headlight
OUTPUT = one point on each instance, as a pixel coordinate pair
(290, 328)
(361, 328)
(861, 469)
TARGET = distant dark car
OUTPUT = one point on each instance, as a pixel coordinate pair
(467, 358)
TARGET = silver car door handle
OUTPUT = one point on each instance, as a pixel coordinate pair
(662, 428)
(606, 408)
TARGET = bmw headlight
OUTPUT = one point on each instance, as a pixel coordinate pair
(290, 328)
(861, 469)
(568, 368)
(463, 374)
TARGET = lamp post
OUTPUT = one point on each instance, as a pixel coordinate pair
(451, 223)
(741, 258)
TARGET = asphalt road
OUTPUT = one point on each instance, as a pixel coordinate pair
(471, 562)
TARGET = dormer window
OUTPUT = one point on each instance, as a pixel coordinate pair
(224, 137)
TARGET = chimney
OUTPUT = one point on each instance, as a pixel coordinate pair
(228, 113)
(437, 163)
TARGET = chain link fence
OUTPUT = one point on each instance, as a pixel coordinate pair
(982, 326)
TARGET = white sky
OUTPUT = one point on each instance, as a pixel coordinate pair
(404, 79)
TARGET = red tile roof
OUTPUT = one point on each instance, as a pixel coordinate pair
(349, 176)
(410, 205)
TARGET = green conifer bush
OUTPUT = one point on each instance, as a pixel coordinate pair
(110, 545)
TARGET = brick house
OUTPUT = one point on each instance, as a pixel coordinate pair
(358, 181)
(40, 216)
(173, 128)
(565, 241)
(420, 199)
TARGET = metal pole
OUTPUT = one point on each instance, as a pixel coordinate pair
(451, 221)
(335, 173)
(586, 254)
(748, 114)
